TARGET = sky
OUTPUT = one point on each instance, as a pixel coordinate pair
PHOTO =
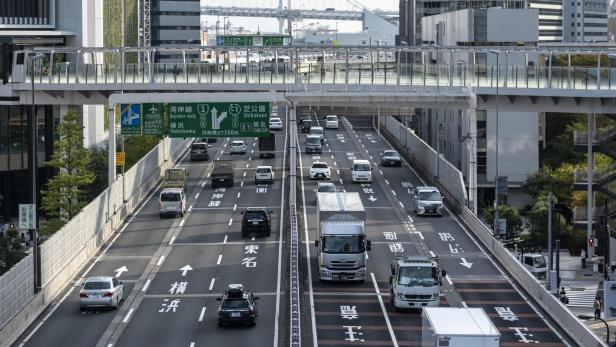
(271, 25)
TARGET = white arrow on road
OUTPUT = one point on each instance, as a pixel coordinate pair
(372, 198)
(185, 270)
(119, 271)
(465, 263)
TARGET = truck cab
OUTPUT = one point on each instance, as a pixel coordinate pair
(415, 282)
(176, 178)
(535, 263)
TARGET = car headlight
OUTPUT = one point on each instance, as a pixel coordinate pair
(324, 271)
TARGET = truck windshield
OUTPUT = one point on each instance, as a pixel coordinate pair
(539, 262)
(361, 167)
(313, 141)
(343, 244)
(174, 175)
(429, 196)
(416, 275)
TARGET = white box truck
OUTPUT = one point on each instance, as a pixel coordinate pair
(415, 282)
(457, 327)
(341, 237)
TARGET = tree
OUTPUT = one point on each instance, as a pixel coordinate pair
(538, 218)
(510, 214)
(99, 167)
(559, 181)
(11, 250)
(63, 197)
(137, 147)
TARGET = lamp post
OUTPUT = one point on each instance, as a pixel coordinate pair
(224, 25)
(607, 327)
(33, 177)
(496, 197)
(438, 51)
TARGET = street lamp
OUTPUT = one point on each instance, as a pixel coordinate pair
(496, 198)
(33, 176)
(607, 327)
(438, 58)
(224, 25)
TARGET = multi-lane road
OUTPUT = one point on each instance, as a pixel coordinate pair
(174, 269)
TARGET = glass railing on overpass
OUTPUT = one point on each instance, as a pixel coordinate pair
(337, 73)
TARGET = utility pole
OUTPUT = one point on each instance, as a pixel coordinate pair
(550, 241)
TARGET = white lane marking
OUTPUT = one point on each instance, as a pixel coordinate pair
(335, 164)
(238, 194)
(244, 174)
(370, 156)
(330, 149)
(386, 181)
(420, 234)
(146, 285)
(203, 184)
(219, 259)
(230, 221)
(393, 192)
(410, 218)
(212, 284)
(253, 238)
(333, 156)
(202, 314)
(381, 171)
(252, 150)
(225, 240)
(432, 254)
(160, 260)
(449, 280)
(208, 175)
(247, 164)
(182, 222)
(172, 240)
(337, 171)
(367, 257)
(190, 208)
(341, 181)
(312, 313)
(249, 158)
(192, 344)
(401, 204)
(242, 184)
(234, 207)
(391, 330)
(464, 304)
(197, 196)
(127, 317)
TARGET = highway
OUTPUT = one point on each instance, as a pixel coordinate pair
(167, 306)
(473, 280)
(174, 269)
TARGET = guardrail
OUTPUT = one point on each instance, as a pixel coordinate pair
(69, 249)
(295, 331)
(423, 159)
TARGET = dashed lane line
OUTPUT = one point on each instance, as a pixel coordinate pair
(160, 260)
(128, 315)
(212, 284)
(202, 314)
(146, 285)
(219, 259)
(172, 240)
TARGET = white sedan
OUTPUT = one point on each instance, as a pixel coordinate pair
(275, 124)
(238, 147)
(319, 170)
(331, 122)
(101, 291)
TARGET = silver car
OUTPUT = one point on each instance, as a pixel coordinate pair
(101, 291)
(238, 147)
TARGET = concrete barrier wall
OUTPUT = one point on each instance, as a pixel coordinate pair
(69, 249)
(450, 184)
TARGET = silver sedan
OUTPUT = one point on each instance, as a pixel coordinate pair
(101, 291)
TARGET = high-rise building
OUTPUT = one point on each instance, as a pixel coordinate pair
(585, 20)
(550, 19)
(175, 22)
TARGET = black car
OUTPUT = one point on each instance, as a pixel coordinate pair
(256, 221)
(306, 124)
(237, 306)
(208, 139)
(391, 158)
(198, 151)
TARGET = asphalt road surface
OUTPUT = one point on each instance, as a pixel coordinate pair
(165, 306)
(473, 278)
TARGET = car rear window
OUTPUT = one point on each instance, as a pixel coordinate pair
(235, 303)
(313, 140)
(237, 143)
(255, 215)
(319, 166)
(390, 153)
(97, 285)
(327, 189)
(332, 117)
(263, 170)
(199, 146)
(316, 131)
(170, 197)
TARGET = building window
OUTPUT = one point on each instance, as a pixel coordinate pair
(481, 163)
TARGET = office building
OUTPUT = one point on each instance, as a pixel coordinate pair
(175, 22)
(585, 20)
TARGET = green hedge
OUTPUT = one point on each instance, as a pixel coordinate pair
(112, 26)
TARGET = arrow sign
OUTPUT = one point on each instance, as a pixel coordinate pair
(119, 271)
(465, 263)
(372, 198)
(185, 270)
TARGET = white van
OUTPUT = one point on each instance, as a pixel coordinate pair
(172, 202)
(361, 171)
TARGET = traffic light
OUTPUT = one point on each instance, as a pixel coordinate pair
(591, 242)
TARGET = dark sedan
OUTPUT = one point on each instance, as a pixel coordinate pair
(237, 306)
(391, 158)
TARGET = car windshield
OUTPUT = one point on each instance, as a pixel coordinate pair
(333, 118)
(361, 167)
(235, 303)
(237, 144)
(327, 188)
(429, 196)
(170, 197)
(319, 166)
(199, 146)
(263, 170)
(390, 154)
(174, 175)
(343, 244)
(260, 215)
(316, 131)
(539, 262)
(94, 285)
(416, 275)
(313, 140)
(275, 120)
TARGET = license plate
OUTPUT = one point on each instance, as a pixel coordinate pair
(255, 223)
(95, 296)
(236, 314)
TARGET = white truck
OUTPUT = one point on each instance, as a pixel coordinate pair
(415, 282)
(536, 264)
(341, 243)
(457, 327)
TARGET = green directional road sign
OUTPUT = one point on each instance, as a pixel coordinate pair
(218, 119)
(154, 119)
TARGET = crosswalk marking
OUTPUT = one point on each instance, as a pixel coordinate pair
(582, 298)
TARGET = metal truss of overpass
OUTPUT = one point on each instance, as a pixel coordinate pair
(292, 14)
